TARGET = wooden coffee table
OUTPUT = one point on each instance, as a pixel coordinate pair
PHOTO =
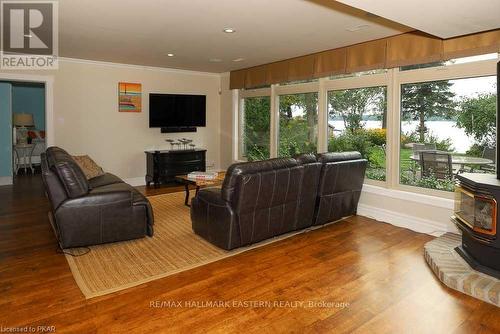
(198, 183)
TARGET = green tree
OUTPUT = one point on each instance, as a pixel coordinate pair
(298, 134)
(421, 101)
(478, 118)
(352, 104)
(257, 119)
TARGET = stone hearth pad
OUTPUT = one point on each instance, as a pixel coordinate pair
(454, 272)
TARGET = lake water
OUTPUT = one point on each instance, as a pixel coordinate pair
(440, 129)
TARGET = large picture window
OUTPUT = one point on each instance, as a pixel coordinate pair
(255, 127)
(298, 124)
(447, 128)
(418, 126)
(357, 121)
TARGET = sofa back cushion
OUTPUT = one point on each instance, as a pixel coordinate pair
(339, 156)
(341, 180)
(309, 189)
(264, 196)
(70, 174)
(235, 171)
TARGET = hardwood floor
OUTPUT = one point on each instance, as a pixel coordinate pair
(375, 269)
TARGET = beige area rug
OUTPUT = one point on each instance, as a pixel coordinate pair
(173, 249)
(454, 272)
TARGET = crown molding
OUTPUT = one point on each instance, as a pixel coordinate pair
(141, 67)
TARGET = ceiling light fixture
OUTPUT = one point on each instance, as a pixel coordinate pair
(215, 60)
(170, 54)
(229, 30)
(358, 27)
(238, 60)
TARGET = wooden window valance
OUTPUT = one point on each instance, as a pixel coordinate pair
(401, 50)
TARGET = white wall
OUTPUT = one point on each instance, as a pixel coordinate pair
(87, 120)
(418, 212)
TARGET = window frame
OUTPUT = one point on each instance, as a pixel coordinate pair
(243, 94)
(449, 72)
(357, 82)
(393, 79)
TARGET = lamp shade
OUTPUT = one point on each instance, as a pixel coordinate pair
(23, 119)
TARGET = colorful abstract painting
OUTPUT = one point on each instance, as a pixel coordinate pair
(130, 97)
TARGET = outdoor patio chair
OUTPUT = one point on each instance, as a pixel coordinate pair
(437, 164)
(489, 153)
(416, 149)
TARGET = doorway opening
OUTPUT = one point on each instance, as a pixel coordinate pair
(24, 119)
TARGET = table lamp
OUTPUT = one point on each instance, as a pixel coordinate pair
(22, 121)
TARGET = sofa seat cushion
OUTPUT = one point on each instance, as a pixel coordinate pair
(104, 180)
(119, 186)
(137, 197)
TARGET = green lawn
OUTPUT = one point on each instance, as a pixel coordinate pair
(377, 158)
(376, 170)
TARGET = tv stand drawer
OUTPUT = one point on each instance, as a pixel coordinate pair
(163, 166)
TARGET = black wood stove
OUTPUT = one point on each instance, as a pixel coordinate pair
(476, 213)
(476, 216)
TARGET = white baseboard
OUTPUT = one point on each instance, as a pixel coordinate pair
(136, 181)
(6, 180)
(435, 228)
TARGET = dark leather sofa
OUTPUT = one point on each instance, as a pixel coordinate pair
(263, 199)
(89, 212)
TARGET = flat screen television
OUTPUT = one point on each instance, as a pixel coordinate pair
(177, 110)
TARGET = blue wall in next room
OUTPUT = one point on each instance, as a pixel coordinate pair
(30, 99)
(5, 130)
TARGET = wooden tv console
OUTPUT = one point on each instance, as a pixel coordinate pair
(163, 166)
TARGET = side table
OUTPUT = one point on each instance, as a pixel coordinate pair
(24, 151)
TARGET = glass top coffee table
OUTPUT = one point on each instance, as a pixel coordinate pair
(199, 183)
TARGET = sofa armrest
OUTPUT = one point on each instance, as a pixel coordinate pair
(98, 218)
(212, 196)
(213, 219)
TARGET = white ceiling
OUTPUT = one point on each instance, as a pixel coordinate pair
(441, 18)
(143, 32)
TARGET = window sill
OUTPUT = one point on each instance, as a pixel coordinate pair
(431, 200)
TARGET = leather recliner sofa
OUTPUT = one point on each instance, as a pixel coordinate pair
(263, 199)
(89, 212)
